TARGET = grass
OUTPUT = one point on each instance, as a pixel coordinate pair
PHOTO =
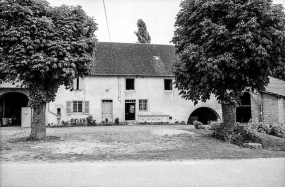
(139, 142)
(272, 142)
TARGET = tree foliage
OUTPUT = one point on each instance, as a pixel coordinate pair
(142, 33)
(227, 46)
(44, 46)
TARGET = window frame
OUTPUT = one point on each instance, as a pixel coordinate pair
(146, 105)
(77, 112)
(170, 86)
(133, 84)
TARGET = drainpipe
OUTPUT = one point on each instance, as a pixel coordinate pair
(261, 110)
(51, 111)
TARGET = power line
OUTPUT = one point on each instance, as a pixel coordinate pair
(107, 20)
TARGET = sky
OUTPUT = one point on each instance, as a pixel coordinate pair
(159, 16)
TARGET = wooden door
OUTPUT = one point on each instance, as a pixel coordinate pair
(107, 110)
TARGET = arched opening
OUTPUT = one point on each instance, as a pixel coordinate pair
(243, 113)
(11, 104)
(203, 114)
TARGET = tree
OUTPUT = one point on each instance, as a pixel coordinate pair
(44, 47)
(142, 33)
(225, 47)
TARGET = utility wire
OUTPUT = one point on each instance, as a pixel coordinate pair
(113, 54)
(107, 20)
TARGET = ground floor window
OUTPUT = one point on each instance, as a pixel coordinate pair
(143, 105)
(77, 107)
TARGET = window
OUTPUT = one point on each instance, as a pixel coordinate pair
(130, 84)
(77, 107)
(167, 84)
(78, 83)
(143, 105)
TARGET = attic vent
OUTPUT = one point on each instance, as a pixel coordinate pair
(156, 57)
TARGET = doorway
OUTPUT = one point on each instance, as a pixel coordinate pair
(11, 108)
(130, 110)
(203, 114)
(107, 110)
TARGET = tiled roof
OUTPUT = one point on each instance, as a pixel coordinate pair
(276, 86)
(133, 59)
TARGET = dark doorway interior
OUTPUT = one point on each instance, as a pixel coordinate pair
(130, 111)
(203, 115)
(244, 109)
(10, 106)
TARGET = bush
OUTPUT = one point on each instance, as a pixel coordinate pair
(215, 125)
(117, 121)
(90, 121)
(198, 125)
(263, 128)
(240, 135)
(277, 131)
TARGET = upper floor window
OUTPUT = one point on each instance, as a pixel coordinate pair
(167, 84)
(78, 83)
(130, 84)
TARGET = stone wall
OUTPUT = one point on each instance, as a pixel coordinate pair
(270, 108)
(255, 102)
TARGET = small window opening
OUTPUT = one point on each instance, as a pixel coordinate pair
(58, 111)
(130, 84)
(167, 84)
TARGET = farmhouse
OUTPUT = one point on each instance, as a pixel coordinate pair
(134, 82)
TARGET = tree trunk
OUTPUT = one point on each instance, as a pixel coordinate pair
(229, 116)
(38, 131)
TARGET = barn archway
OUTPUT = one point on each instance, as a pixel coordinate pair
(204, 115)
(11, 104)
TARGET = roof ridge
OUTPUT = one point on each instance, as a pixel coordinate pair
(136, 43)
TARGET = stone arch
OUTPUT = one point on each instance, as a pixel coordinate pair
(11, 103)
(203, 114)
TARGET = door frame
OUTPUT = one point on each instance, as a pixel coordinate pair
(102, 101)
(135, 101)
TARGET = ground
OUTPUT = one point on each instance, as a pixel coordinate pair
(109, 143)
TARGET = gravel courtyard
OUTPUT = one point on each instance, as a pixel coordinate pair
(102, 143)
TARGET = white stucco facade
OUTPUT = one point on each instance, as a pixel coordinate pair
(95, 89)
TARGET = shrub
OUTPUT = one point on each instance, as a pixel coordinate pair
(215, 125)
(117, 121)
(90, 121)
(240, 135)
(198, 124)
(277, 131)
(263, 128)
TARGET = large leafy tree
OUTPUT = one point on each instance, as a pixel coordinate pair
(142, 33)
(44, 47)
(228, 46)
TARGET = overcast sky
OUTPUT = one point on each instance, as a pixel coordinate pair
(159, 16)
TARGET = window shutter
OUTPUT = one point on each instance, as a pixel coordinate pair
(80, 83)
(74, 84)
(86, 108)
(68, 107)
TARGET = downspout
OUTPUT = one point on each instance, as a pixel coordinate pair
(261, 109)
(51, 111)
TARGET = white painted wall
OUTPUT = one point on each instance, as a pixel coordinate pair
(96, 89)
